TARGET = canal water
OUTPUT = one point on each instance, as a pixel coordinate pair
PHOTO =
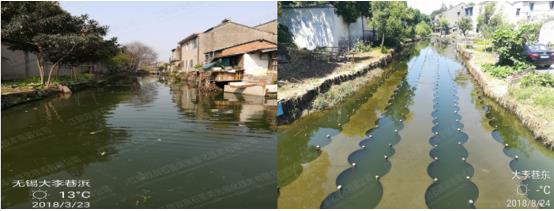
(154, 145)
(425, 137)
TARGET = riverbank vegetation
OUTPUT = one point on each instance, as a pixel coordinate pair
(61, 40)
(509, 77)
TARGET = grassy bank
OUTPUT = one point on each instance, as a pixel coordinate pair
(10, 86)
(528, 94)
(338, 93)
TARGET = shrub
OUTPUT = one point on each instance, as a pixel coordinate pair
(508, 43)
(499, 71)
(422, 29)
(543, 79)
(361, 47)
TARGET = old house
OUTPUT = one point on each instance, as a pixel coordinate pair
(199, 48)
(232, 53)
(250, 67)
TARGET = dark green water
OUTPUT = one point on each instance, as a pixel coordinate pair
(158, 145)
(463, 152)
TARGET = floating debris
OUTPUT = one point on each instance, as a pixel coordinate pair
(95, 132)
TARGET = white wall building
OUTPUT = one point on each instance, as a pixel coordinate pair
(513, 12)
(320, 26)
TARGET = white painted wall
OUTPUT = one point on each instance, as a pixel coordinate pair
(255, 65)
(546, 35)
(320, 27)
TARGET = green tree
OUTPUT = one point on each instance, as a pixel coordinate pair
(443, 25)
(464, 24)
(487, 21)
(349, 12)
(284, 36)
(387, 18)
(48, 31)
(508, 43)
(423, 29)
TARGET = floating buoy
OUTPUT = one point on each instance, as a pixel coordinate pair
(370, 136)
(435, 179)
(103, 153)
(390, 145)
(506, 145)
(459, 143)
(516, 157)
(467, 177)
(363, 146)
(339, 187)
(377, 177)
(470, 201)
(395, 130)
(436, 133)
(386, 157)
(400, 120)
(463, 159)
(353, 164)
(459, 129)
(435, 145)
(328, 136)
(159, 139)
(436, 158)
(340, 124)
(317, 147)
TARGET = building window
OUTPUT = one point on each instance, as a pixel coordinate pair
(458, 13)
(552, 5)
(469, 11)
(517, 11)
(531, 6)
(191, 64)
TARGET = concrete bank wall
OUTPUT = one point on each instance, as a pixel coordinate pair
(535, 124)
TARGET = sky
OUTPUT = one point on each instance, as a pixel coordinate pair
(161, 25)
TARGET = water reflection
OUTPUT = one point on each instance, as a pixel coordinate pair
(159, 145)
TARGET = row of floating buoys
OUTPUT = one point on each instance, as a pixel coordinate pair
(537, 190)
(451, 174)
(359, 186)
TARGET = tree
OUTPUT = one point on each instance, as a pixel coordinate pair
(284, 36)
(443, 25)
(487, 21)
(48, 31)
(141, 55)
(422, 29)
(508, 43)
(349, 12)
(464, 24)
(387, 18)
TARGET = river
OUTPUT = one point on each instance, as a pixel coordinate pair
(156, 145)
(425, 137)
